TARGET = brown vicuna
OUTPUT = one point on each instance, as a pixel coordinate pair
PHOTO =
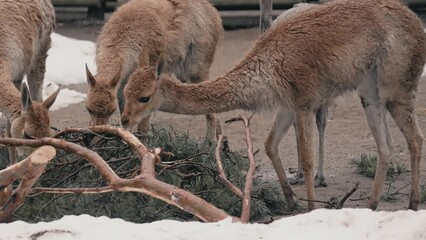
(185, 31)
(321, 113)
(25, 38)
(376, 47)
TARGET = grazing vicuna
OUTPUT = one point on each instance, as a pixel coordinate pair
(186, 31)
(376, 47)
(25, 39)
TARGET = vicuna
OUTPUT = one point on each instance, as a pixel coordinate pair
(376, 47)
(25, 39)
(186, 31)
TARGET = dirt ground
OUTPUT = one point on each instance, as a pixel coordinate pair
(347, 132)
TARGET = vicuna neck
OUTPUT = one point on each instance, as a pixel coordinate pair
(241, 88)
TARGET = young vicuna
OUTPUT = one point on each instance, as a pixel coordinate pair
(25, 38)
(186, 31)
(376, 47)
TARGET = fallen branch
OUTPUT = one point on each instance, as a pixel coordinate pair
(145, 182)
(333, 202)
(28, 171)
(245, 215)
(347, 195)
(222, 175)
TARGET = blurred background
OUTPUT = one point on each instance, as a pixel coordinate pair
(235, 13)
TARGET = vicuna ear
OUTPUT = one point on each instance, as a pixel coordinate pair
(159, 67)
(25, 97)
(90, 79)
(48, 102)
(144, 57)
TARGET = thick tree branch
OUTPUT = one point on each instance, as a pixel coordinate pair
(28, 171)
(145, 182)
(85, 153)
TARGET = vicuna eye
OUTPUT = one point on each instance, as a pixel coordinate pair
(144, 99)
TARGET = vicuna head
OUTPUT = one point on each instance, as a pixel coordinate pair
(142, 91)
(34, 121)
(101, 98)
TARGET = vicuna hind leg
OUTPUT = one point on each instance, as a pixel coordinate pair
(36, 76)
(282, 123)
(405, 118)
(375, 114)
(321, 121)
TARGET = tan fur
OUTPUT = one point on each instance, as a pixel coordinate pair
(25, 38)
(185, 31)
(377, 47)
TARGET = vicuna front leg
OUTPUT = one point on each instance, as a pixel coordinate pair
(304, 134)
(283, 121)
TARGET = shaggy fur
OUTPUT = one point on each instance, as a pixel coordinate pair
(376, 47)
(25, 38)
(185, 31)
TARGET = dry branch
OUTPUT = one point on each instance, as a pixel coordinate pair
(347, 195)
(333, 202)
(28, 171)
(144, 183)
(245, 215)
(222, 175)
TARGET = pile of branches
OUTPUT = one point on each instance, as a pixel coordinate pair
(185, 163)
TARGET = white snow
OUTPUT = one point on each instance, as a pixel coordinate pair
(65, 65)
(67, 59)
(320, 224)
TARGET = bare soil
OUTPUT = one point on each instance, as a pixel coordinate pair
(347, 134)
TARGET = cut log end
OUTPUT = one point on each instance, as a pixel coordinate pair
(43, 155)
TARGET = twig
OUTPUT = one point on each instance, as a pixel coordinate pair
(340, 204)
(332, 205)
(47, 204)
(245, 215)
(222, 174)
(72, 190)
